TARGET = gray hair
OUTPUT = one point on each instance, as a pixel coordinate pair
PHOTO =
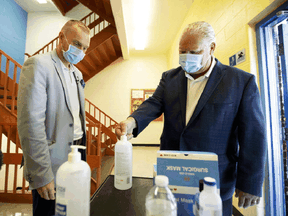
(69, 24)
(201, 28)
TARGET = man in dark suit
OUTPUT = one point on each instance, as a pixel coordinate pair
(210, 107)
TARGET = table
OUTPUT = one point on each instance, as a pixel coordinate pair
(108, 201)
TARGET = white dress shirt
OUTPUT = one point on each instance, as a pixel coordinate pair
(195, 88)
(74, 99)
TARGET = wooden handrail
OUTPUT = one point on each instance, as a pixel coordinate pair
(88, 22)
(8, 84)
(86, 17)
(100, 111)
(10, 59)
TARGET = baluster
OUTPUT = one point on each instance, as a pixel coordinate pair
(23, 184)
(94, 112)
(13, 89)
(6, 81)
(15, 179)
(0, 63)
(1, 128)
(6, 178)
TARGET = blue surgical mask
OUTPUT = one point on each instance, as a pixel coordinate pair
(73, 54)
(191, 63)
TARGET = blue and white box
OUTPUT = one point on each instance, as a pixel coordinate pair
(184, 170)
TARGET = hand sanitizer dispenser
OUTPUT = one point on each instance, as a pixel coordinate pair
(123, 164)
(73, 180)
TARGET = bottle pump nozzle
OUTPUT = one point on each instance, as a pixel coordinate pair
(75, 156)
(123, 138)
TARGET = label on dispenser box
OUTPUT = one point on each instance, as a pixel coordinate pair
(184, 170)
(61, 209)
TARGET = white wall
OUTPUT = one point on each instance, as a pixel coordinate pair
(110, 90)
(43, 27)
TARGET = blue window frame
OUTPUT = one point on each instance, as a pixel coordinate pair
(270, 33)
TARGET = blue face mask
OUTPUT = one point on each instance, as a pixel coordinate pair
(191, 63)
(73, 54)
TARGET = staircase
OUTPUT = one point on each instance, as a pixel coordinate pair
(104, 44)
(101, 138)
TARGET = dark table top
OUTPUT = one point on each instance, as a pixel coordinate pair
(109, 201)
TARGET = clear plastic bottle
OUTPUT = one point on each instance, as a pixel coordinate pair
(209, 200)
(196, 206)
(123, 164)
(73, 180)
(160, 201)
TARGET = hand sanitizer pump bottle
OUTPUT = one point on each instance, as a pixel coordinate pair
(123, 164)
(73, 180)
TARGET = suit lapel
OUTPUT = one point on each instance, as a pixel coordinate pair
(80, 92)
(183, 95)
(58, 68)
(213, 81)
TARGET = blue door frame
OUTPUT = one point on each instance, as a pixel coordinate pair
(274, 178)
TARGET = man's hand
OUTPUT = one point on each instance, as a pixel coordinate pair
(47, 192)
(246, 200)
(126, 127)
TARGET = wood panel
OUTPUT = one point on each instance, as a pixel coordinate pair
(19, 198)
(98, 7)
(101, 37)
(65, 5)
(110, 47)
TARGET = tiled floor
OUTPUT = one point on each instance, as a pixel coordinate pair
(143, 160)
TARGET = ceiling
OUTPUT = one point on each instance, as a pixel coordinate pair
(34, 6)
(165, 20)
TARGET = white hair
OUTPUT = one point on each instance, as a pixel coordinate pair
(202, 28)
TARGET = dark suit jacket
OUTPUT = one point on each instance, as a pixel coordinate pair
(228, 120)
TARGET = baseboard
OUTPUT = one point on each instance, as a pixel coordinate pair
(147, 145)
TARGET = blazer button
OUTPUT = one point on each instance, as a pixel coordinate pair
(71, 125)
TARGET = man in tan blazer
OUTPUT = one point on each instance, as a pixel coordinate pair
(51, 113)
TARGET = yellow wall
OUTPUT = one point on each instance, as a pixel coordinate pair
(234, 25)
(110, 90)
(230, 21)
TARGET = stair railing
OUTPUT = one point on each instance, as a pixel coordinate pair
(8, 85)
(94, 156)
(15, 186)
(103, 118)
(92, 20)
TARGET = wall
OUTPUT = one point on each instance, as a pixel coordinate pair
(43, 27)
(233, 22)
(110, 90)
(13, 24)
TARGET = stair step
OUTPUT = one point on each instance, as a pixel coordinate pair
(103, 151)
(107, 164)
